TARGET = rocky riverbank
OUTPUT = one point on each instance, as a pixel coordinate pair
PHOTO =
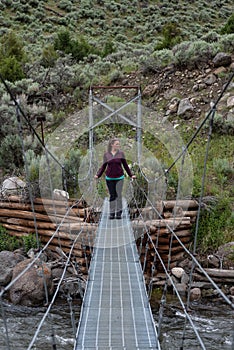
(41, 278)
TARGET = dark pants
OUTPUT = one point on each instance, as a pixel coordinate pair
(115, 188)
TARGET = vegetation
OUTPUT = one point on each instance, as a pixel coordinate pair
(52, 51)
(11, 243)
(216, 225)
(7, 242)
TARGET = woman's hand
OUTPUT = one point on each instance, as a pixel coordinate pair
(133, 177)
(95, 177)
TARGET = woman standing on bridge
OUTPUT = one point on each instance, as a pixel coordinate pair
(113, 162)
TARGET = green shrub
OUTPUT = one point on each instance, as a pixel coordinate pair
(11, 69)
(12, 46)
(193, 54)
(30, 242)
(49, 56)
(11, 57)
(171, 36)
(78, 49)
(226, 43)
(229, 26)
(223, 126)
(157, 60)
(7, 242)
(11, 152)
(215, 225)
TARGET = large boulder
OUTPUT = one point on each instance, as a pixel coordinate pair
(29, 289)
(13, 186)
(8, 260)
(222, 59)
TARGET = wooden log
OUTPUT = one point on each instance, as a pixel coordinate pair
(181, 203)
(221, 273)
(79, 212)
(166, 240)
(47, 201)
(39, 224)
(84, 236)
(161, 223)
(23, 214)
(65, 244)
(202, 278)
(163, 249)
(176, 256)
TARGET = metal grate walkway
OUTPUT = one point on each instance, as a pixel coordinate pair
(116, 313)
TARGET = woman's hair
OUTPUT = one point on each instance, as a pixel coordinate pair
(110, 143)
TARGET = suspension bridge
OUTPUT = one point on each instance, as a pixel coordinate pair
(116, 311)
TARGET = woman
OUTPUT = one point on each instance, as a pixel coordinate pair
(113, 162)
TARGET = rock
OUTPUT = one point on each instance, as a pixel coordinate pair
(177, 272)
(231, 291)
(185, 108)
(8, 260)
(222, 59)
(182, 288)
(230, 102)
(210, 79)
(60, 195)
(13, 186)
(185, 278)
(220, 70)
(173, 106)
(29, 289)
(195, 294)
(149, 90)
(213, 261)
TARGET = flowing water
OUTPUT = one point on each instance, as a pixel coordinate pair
(214, 324)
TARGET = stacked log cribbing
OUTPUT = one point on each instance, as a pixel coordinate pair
(175, 216)
(44, 216)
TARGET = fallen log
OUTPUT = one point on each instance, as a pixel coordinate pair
(202, 278)
(222, 273)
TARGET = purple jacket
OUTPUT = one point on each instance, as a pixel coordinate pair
(114, 165)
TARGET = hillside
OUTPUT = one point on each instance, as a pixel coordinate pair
(52, 51)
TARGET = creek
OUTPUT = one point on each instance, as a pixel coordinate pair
(215, 324)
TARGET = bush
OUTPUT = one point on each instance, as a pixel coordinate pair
(78, 49)
(229, 26)
(7, 242)
(222, 126)
(223, 166)
(171, 36)
(156, 61)
(11, 69)
(11, 57)
(193, 54)
(11, 152)
(49, 56)
(30, 242)
(215, 226)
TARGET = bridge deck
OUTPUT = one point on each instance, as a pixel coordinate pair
(116, 313)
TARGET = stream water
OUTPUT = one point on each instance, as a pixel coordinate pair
(215, 325)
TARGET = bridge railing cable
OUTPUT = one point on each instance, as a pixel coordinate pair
(174, 287)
